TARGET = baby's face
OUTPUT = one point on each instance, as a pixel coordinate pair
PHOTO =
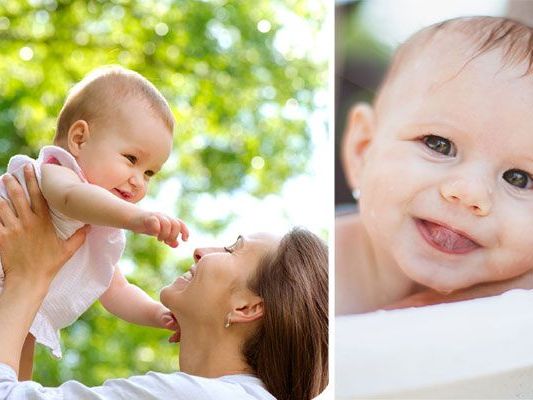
(446, 182)
(122, 154)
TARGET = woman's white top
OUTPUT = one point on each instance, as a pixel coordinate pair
(153, 385)
(87, 275)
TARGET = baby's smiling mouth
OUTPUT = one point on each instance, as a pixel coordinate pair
(444, 238)
(124, 195)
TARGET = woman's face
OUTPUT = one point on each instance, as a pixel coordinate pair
(218, 278)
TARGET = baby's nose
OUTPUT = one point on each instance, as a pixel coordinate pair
(136, 181)
(475, 195)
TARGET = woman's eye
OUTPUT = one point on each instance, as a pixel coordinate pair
(440, 145)
(231, 249)
(131, 159)
(518, 178)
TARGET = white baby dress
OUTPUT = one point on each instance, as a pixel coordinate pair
(87, 275)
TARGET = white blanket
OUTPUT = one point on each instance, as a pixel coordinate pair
(480, 348)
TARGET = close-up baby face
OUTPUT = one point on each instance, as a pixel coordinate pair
(446, 182)
(123, 154)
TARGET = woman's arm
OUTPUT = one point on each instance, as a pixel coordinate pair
(95, 205)
(26, 358)
(31, 255)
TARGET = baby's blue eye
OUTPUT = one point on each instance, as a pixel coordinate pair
(518, 178)
(440, 145)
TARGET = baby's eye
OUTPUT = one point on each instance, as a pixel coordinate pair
(149, 173)
(518, 178)
(131, 159)
(440, 145)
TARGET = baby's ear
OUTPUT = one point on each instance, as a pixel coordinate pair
(77, 136)
(358, 135)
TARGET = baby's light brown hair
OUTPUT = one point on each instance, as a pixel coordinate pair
(482, 34)
(96, 97)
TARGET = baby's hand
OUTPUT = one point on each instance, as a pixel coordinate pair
(167, 320)
(166, 229)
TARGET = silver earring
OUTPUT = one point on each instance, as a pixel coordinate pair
(356, 194)
(227, 322)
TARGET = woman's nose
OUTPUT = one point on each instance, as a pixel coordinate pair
(198, 254)
(474, 194)
(203, 251)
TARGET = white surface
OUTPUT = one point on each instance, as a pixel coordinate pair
(480, 348)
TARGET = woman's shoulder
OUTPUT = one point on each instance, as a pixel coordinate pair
(152, 385)
(234, 387)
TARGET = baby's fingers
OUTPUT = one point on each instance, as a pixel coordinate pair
(165, 228)
(184, 230)
(175, 338)
(170, 324)
(172, 239)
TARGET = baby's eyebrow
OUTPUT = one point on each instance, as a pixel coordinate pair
(138, 150)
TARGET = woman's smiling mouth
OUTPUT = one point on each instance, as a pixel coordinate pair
(183, 281)
(445, 239)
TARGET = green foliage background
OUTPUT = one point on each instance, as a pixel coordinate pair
(228, 85)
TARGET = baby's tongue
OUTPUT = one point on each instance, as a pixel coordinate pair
(447, 238)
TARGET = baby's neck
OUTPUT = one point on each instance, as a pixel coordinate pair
(368, 278)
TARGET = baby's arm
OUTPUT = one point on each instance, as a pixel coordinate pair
(131, 304)
(92, 204)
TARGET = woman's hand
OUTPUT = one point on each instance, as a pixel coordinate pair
(29, 246)
(31, 255)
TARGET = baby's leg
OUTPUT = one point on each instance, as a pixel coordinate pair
(26, 358)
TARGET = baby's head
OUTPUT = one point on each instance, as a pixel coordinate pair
(444, 159)
(119, 128)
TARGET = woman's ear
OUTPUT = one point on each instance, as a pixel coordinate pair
(248, 311)
(358, 135)
(77, 136)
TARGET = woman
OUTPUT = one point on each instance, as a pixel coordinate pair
(253, 316)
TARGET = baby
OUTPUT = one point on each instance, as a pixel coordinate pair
(113, 135)
(442, 164)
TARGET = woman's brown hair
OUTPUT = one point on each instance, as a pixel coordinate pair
(289, 351)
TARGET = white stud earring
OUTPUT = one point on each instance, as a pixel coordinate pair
(227, 322)
(356, 194)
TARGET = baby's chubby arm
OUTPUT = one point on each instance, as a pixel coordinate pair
(93, 204)
(130, 303)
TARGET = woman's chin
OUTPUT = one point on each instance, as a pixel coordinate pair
(170, 291)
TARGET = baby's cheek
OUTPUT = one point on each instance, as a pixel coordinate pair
(142, 193)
